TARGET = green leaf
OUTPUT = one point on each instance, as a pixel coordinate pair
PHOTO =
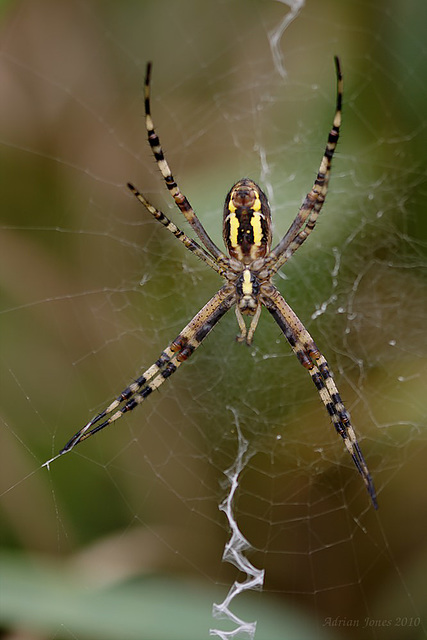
(51, 600)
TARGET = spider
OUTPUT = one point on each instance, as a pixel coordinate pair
(247, 272)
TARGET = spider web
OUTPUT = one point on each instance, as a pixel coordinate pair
(238, 440)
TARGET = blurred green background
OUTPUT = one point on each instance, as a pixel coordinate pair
(123, 537)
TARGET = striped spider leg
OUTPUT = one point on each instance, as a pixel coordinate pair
(247, 272)
(181, 201)
(308, 354)
(170, 359)
(306, 218)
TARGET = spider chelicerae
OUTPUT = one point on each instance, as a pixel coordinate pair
(247, 273)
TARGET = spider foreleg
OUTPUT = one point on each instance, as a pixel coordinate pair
(170, 359)
(340, 418)
(142, 387)
(343, 423)
(310, 357)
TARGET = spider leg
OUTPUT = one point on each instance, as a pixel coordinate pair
(188, 242)
(306, 218)
(310, 357)
(170, 359)
(180, 200)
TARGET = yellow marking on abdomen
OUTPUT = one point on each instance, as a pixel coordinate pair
(234, 228)
(231, 207)
(257, 228)
(257, 204)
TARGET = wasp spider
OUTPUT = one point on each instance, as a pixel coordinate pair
(247, 273)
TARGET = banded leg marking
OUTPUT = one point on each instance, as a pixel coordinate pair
(180, 200)
(188, 242)
(170, 359)
(307, 216)
(310, 357)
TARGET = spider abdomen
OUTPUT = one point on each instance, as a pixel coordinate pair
(247, 222)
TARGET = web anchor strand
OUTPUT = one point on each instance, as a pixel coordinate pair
(234, 553)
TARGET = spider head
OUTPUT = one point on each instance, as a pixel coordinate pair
(247, 222)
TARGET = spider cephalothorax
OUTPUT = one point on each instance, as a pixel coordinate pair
(247, 274)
